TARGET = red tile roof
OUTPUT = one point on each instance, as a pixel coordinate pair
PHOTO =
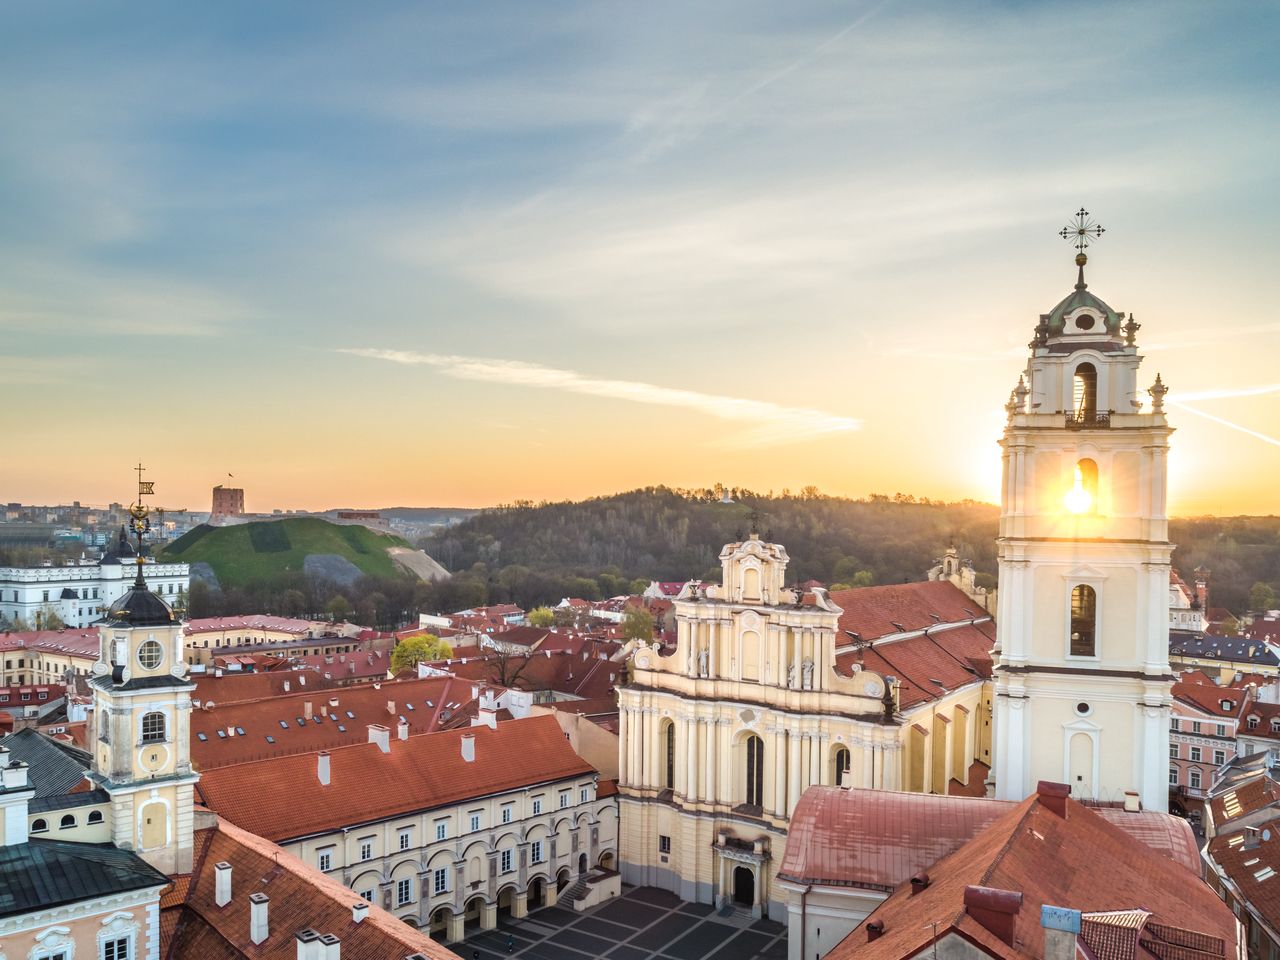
(873, 612)
(1250, 859)
(878, 838)
(299, 898)
(255, 621)
(434, 701)
(241, 687)
(1209, 699)
(283, 798)
(1078, 860)
(82, 644)
(564, 671)
(930, 665)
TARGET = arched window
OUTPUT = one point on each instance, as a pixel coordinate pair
(1084, 621)
(1083, 495)
(39, 825)
(755, 771)
(153, 727)
(840, 765)
(1084, 399)
(669, 744)
(67, 822)
(95, 816)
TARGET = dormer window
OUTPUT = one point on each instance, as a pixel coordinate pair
(1085, 321)
(1253, 723)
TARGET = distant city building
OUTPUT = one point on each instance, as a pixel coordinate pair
(961, 573)
(77, 592)
(227, 501)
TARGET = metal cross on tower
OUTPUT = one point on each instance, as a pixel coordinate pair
(1079, 232)
(140, 513)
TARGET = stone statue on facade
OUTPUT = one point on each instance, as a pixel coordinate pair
(791, 675)
(806, 670)
(702, 662)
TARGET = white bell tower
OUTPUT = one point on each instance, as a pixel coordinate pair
(1082, 677)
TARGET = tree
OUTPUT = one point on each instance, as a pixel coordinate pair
(864, 578)
(292, 603)
(637, 624)
(541, 617)
(411, 651)
(47, 618)
(1262, 597)
(339, 608)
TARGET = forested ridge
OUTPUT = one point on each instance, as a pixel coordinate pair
(522, 550)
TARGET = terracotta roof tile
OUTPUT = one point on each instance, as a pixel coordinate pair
(300, 898)
(1095, 867)
(873, 612)
(434, 701)
(283, 798)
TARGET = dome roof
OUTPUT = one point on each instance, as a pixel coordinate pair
(1081, 297)
(140, 608)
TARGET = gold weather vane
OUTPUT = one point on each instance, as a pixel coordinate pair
(140, 513)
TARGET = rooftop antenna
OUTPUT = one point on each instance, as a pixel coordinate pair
(1078, 233)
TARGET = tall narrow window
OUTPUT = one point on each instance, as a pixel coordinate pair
(1083, 495)
(1084, 400)
(755, 771)
(841, 765)
(669, 780)
(1084, 621)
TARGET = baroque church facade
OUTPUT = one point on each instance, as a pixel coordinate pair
(1082, 677)
(766, 694)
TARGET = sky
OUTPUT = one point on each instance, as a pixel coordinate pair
(388, 254)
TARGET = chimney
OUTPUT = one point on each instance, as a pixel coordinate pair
(996, 910)
(402, 729)
(285, 685)
(308, 944)
(1132, 803)
(486, 716)
(306, 710)
(322, 767)
(919, 882)
(231, 731)
(1061, 928)
(359, 911)
(302, 681)
(381, 736)
(469, 747)
(875, 930)
(222, 883)
(258, 927)
(1053, 796)
(391, 707)
(333, 701)
(330, 947)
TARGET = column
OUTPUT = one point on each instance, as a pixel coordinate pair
(455, 927)
(489, 916)
(549, 892)
(797, 657)
(711, 790)
(793, 773)
(816, 764)
(779, 768)
(520, 905)
(623, 746)
(868, 765)
(691, 758)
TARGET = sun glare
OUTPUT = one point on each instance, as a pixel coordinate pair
(1078, 499)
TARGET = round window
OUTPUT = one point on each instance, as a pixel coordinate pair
(1084, 322)
(150, 654)
(1083, 709)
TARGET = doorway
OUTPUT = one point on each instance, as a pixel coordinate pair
(744, 886)
(582, 863)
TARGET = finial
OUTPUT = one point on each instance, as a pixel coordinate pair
(754, 517)
(1078, 233)
(1157, 391)
(1021, 391)
(141, 522)
(1131, 329)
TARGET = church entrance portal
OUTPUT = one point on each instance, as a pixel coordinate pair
(744, 886)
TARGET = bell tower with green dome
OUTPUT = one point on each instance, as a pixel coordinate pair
(142, 720)
(1082, 678)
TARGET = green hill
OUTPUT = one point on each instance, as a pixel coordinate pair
(259, 552)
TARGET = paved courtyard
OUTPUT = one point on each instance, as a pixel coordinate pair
(642, 924)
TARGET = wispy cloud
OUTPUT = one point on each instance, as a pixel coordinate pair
(1265, 438)
(769, 423)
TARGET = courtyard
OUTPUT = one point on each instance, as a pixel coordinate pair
(642, 924)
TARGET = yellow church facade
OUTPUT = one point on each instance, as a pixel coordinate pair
(769, 690)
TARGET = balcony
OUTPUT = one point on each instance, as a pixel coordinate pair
(1088, 421)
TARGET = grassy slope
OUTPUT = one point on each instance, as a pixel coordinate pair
(259, 551)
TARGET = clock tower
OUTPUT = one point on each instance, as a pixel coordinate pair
(142, 722)
(1082, 678)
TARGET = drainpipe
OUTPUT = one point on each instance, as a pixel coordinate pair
(804, 920)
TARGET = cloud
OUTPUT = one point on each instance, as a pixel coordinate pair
(770, 423)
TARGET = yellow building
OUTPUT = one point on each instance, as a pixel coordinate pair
(771, 689)
(141, 730)
(1082, 673)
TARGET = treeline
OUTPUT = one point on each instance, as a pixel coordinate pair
(669, 534)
